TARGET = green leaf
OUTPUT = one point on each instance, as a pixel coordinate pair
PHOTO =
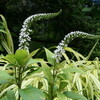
(50, 55)
(73, 70)
(4, 77)
(35, 61)
(11, 59)
(33, 53)
(75, 96)
(31, 93)
(22, 57)
(61, 96)
(11, 95)
(47, 72)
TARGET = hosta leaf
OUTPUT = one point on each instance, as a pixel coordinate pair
(74, 96)
(31, 93)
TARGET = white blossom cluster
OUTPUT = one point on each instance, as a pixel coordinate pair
(24, 37)
(69, 37)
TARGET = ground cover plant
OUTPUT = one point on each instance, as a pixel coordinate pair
(60, 77)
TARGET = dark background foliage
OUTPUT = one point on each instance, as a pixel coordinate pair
(76, 15)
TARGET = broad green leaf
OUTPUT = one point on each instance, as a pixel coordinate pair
(11, 95)
(4, 76)
(22, 57)
(74, 96)
(47, 72)
(11, 59)
(31, 93)
(50, 55)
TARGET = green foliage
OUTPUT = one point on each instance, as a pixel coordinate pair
(75, 96)
(5, 77)
(31, 93)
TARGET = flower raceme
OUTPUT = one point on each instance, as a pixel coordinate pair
(69, 37)
(24, 37)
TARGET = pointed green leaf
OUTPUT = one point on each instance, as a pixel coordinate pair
(31, 93)
(50, 55)
(74, 96)
(33, 53)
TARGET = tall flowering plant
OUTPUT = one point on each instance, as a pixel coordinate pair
(24, 37)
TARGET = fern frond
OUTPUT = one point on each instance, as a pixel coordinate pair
(68, 38)
(24, 37)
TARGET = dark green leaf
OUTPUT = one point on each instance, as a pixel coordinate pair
(75, 96)
(31, 93)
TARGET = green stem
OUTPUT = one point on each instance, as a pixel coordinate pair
(51, 86)
(19, 80)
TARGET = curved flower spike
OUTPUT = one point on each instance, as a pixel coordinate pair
(24, 37)
(69, 37)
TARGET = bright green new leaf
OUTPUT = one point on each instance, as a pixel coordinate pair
(22, 57)
(31, 93)
(4, 77)
(74, 96)
(11, 59)
(50, 55)
(11, 95)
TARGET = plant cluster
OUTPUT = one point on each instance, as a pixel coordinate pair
(24, 77)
